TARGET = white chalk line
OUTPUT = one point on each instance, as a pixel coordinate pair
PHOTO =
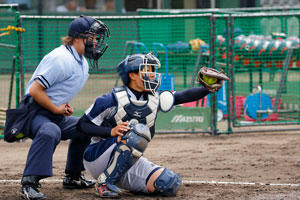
(240, 183)
(184, 182)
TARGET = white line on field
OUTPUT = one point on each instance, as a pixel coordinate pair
(184, 182)
(239, 183)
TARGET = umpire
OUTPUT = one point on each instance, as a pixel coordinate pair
(60, 75)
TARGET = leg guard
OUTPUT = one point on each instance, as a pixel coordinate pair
(119, 164)
(167, 183)
(125, 155)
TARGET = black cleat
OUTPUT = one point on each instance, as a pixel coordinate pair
(80, 182)
(29, 189)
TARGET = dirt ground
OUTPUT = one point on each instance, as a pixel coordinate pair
(233, 161)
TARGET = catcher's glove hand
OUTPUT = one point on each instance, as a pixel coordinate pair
(212, 79)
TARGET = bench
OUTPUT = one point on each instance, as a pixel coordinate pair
(2, 116)
(2, 121)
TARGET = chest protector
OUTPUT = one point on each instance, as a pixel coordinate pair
(134, 111)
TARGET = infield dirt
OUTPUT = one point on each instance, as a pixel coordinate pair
(248, 158)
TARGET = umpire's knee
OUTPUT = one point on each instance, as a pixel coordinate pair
(50, 132)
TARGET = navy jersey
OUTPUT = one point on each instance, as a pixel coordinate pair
(103, 107)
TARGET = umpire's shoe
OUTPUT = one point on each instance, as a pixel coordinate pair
(29, 189)
(79, 182)
(104, 192)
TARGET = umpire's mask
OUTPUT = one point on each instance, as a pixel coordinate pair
(96, 42)
(95, 33)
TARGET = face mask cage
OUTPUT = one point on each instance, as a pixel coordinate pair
(96, 42)
(149, 75)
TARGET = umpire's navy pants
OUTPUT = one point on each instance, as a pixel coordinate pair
(48, 130)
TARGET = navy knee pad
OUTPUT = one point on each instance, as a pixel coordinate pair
(167, 183)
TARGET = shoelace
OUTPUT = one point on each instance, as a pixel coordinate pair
(83, 177)
(35, 186)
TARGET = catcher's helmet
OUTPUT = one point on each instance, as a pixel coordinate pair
(137, 63)
(85, 27)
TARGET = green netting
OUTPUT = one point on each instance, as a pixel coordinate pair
(182, 11)
(128, 35)
(265, 9)
(261, 59)
(252, 48)
(8, 44)
(216, 10)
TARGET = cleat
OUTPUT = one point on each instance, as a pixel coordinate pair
(113, 188)
(104, 192)
(29, 189)
(80, 182)
(30, 192)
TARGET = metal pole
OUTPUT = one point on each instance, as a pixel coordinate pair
(40, 12)
(166, 4)
(17, 63)
(283, 79)
(22, 71)
(213, 97)
(119, 5)
(10, 46)
(212, 3)
(158, 4)
(232, 72)
(228, 59)
(11, 82)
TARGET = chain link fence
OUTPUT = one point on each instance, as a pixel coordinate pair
(258, 49)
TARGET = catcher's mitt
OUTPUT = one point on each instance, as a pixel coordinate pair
(212, 79)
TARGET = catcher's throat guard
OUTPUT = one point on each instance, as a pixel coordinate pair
(214, 74)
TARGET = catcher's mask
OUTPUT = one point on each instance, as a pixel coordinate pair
(95, 33)
(147, 65)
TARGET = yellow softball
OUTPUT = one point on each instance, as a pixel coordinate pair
(209, 80)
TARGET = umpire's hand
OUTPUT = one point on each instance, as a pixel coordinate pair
(68, 110)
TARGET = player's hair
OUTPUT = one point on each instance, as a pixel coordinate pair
(67, 40)
(135, 71)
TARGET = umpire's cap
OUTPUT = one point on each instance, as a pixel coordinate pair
(84, 24)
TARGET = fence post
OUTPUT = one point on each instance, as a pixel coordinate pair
(213, 96)
(20, 58)
(17, 16)
(229, 47)
(231, 69)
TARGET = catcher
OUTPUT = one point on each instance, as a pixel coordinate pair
(122, 123)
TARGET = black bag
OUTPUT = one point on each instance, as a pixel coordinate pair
(17, 120)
